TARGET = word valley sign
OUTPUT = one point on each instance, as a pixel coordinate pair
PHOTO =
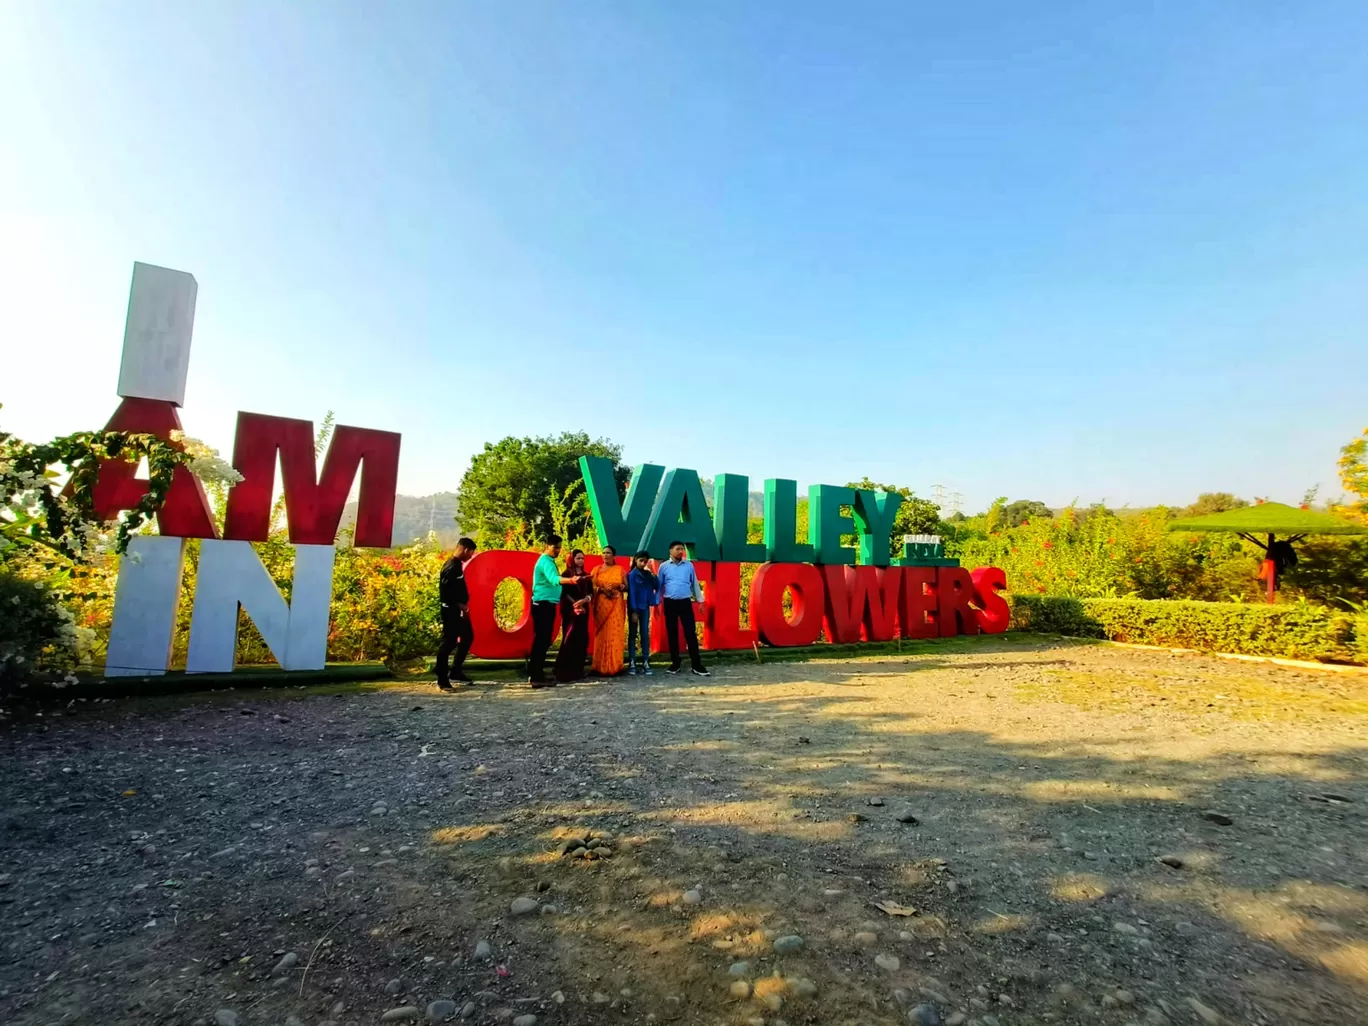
(918, 594)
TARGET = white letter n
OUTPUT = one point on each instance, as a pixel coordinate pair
(231, 575)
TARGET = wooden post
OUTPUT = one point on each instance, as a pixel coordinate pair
(1272, 571)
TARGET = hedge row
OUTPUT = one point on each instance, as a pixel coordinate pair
(1288, 631)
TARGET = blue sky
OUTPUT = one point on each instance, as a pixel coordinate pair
(1051, 251)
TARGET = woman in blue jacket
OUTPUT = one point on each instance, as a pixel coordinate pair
(643, 592)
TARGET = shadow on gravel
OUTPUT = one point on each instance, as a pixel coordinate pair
(162, 861)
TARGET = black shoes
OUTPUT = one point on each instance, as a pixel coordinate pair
(699, 671)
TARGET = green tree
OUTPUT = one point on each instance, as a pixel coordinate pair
(1213, 502)
(508, 489)
(1353, 468)
(1014, 514)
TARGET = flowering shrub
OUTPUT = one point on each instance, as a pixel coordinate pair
(39, 639)
(385, 604)
(1098, 554)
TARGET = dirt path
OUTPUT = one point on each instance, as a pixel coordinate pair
(250, 858)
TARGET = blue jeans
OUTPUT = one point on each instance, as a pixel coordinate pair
(644, 628)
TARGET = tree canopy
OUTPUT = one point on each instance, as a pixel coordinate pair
(1214, 502)
(1014, 514)
(915, 516)
(1353, 469)
(509, 486)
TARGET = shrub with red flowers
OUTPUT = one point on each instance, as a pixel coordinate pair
(1096, 552)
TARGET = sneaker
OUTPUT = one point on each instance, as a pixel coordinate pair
(673, 669)
(648, 672)
(631, 670)
(444, 686)
(699, 671)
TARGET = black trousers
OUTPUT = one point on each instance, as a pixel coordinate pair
(543, 633)
(679, 612)
(458, 634)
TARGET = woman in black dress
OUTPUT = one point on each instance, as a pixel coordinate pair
(575, 599)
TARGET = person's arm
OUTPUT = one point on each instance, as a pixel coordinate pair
(463, 605)
(548, 573)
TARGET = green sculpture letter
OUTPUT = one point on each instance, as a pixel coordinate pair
(874, 516)
(620, 526)
(681, 514)
(826, 523)
(781, 523)
(731, 516)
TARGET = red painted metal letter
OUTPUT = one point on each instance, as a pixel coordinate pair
(483, 574)
(722, 610)
(185, 513)
(767, 603)
(919, 613)
(993, 612)
(956, 590)
(313, 503)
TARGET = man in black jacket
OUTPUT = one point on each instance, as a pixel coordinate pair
(457, 632)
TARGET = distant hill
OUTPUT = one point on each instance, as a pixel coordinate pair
(415, 515)
(757, 499)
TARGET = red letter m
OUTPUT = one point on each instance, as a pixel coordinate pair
(313, 505)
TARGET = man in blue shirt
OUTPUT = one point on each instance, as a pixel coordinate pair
(678, 589)
(546, 596)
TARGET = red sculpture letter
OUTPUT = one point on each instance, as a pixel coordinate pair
(993, 613)
(956, 590)
(861, 603)
(767, 604)
(313, 505)
(722, 610)
(483, 575)
(920, 607)
(185, 513)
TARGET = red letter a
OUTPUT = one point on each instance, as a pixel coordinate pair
(185, 513)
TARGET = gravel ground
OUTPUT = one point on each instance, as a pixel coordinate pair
(390, 854)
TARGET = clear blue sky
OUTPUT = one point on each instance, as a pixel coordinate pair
(1046, 250)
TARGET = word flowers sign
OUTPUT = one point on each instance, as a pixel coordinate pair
(230, 575)
(852, 594)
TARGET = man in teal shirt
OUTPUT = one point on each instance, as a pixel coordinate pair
(546, 595)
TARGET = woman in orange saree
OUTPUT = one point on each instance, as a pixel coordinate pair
(610, 614)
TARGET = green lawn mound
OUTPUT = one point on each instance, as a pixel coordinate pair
(1269, 518)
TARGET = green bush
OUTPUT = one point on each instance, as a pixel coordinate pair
(1291, 631)
(1054, 614)
(1361, 638)
(37, 636)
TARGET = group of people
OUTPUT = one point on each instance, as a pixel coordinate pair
(619, 599)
